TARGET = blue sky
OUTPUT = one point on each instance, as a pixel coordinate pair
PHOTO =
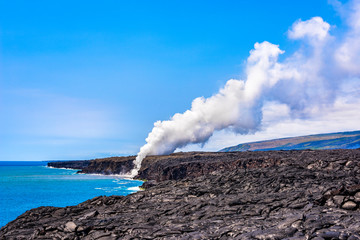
(85, 79)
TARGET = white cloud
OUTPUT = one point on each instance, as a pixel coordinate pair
(315, 29)
(348, 53)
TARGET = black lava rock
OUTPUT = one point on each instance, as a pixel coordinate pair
(269, 195)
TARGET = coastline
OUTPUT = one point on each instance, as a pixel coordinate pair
(122, 176)
(114, 176)
(26, 186)
(264, 195)
(126, 177)
(62, 168)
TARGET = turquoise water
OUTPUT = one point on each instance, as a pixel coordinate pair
(26, 185)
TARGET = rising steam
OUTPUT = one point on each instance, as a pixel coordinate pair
(310, 77)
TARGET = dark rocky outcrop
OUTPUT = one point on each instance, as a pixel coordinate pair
(107, 166)
(111, 165)
(79, 164)
(264, 195)
(194, 164)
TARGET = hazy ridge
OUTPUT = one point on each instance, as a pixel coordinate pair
(339, 140)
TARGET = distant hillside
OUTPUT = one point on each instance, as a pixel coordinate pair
(341, 140)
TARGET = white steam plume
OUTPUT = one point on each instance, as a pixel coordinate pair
(307, 80)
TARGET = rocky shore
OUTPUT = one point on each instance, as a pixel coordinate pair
(107, 166)
(251, 195)
(70, 164)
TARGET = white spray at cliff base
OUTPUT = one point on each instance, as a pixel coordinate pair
(307, 80)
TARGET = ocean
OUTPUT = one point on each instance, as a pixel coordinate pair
(27, 185)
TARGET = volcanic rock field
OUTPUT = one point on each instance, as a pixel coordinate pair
(237, 195)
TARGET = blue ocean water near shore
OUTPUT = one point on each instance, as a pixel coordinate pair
(26, 185)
